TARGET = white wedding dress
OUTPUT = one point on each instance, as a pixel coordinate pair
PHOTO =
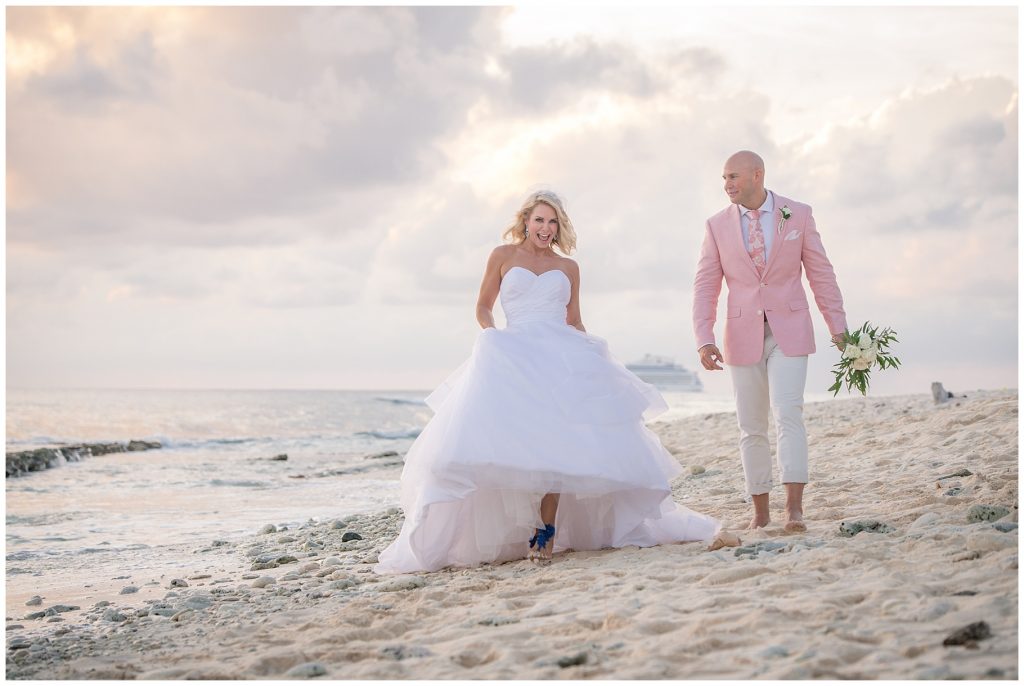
(539, 407)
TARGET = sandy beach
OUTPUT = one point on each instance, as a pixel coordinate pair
(912, 536)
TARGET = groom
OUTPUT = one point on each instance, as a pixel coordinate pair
(761, 243)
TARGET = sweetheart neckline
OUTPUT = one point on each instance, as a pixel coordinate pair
(530, 271)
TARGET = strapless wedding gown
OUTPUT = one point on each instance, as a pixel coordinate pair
(539, 407)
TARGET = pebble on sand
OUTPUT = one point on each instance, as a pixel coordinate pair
(969, 635)
(986, 513)
(307, 670)
(870, 525)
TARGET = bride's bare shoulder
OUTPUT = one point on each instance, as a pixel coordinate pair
(570, 266)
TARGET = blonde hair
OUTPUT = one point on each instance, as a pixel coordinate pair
(565, 239)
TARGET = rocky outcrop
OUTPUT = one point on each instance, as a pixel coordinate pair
(20, 463)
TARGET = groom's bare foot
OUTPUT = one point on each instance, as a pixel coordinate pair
(759, 522)
(794, 522)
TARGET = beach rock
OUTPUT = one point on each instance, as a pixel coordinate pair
(112, 615)
(264, 581)
(268, 529)
(378, 456)
(286, 559)
(35, 615)
(498, 621)
(34, 600)
(197, 602)
(697, 469)
(283, 457)
(969, 635)
(773, 652)
(178, 583)
(257, 566)
(127, 590)
(572, 660)
(306, 670)
(57, 609)
(136, 446)
(12, 627)
(286, 539)
(350, 536)
(955, 491)
(1005, 527)
(958, 473)
(923, 522)
(23, 462)
(870, 525)
(756, 549)
(163, 610)
(337, 524)
(402, 652)
(986, 513)
(18, 642)
(967, 557)
(196, 577)
(939, 394)
(309, 567)
(401, 583)
(332, 562)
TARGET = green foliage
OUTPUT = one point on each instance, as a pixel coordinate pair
(873, 346)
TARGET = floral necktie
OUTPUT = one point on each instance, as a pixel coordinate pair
(756, 239)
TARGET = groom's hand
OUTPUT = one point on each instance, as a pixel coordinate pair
(710, 356)
(838, 340)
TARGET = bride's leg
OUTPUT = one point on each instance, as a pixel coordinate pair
(548, 509)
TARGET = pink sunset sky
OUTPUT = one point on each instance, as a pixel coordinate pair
(305, 197)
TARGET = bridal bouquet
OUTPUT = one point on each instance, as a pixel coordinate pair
(867, 347)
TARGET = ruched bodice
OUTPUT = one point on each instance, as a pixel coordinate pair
(527, 297)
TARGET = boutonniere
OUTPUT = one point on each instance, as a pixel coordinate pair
(786, 214)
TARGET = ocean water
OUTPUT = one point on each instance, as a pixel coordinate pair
(212, 480)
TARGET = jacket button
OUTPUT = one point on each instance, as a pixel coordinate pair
(760, 312)
(763, 285)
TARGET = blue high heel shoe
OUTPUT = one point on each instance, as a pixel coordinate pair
(539, 541)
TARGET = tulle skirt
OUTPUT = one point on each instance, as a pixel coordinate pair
(538, 408)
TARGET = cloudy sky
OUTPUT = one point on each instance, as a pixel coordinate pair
(305, 198)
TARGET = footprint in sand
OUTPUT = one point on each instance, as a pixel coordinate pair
(732, 575)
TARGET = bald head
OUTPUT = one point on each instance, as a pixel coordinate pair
(746, 159)
(744, 179)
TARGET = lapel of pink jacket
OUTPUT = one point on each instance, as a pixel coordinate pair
(777, 238)
(736, 231)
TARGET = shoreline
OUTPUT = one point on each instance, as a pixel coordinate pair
(877, 604)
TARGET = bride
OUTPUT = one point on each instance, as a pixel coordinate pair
(538, 442)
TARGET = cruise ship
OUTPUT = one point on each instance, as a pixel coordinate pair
(664, 374)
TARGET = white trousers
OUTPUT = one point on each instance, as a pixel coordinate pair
(776, 385)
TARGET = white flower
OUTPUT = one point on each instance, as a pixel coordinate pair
(851, 352)
(865, 342)
(786, 214)
(870, 355)
(861, 363)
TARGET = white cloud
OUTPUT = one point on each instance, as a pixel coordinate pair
(282, 197)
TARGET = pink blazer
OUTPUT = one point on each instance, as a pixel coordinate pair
(779, 294)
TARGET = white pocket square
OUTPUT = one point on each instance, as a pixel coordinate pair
(792, 235)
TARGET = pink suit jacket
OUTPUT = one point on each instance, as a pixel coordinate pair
(778, 294)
